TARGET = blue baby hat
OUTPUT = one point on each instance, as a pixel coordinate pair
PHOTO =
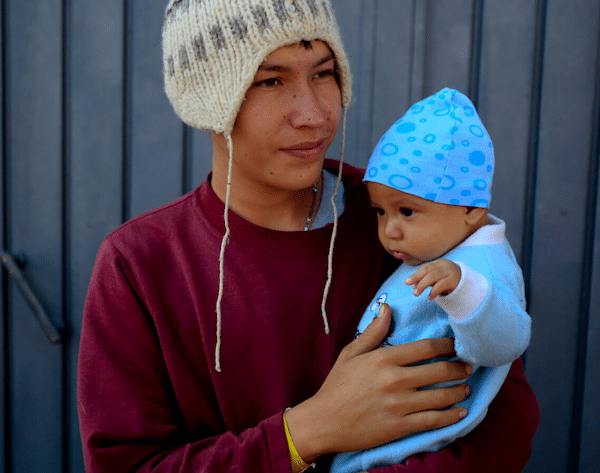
(438, 150)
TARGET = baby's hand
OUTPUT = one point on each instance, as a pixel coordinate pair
(441, 275)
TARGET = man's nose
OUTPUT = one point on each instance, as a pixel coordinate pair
(306, 108)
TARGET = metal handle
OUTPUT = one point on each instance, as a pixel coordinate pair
(38, 311)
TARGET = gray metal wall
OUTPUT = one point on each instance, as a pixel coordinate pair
(89, 140)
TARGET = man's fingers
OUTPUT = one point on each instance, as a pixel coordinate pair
(422, 350)
(420, 376)
(430, 420)
(431, 409)
(439, 398)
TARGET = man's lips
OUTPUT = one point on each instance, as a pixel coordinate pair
(307, 149)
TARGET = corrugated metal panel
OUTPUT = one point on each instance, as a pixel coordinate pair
(33, 219)
(3, 279)
(90, 140)
(560, 250)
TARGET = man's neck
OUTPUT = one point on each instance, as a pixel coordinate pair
(269, 207)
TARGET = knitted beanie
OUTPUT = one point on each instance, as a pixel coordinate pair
(439, 150)
(213, 48)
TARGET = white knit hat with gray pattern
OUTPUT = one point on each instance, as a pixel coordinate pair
(213, 48)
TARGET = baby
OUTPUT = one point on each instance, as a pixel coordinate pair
(429, 180)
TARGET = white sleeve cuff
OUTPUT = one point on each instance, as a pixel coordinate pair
(467, 296)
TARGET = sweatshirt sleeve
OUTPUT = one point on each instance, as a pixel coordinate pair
(489, 321)
(500, 444)
(128, 412)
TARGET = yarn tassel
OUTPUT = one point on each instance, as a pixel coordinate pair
(335, 228)
(222, 254)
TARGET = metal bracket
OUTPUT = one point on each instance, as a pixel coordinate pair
(14, 271)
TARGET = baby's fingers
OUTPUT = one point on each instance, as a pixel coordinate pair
(423, 281)
(418, 275)
(441, 288)
(441, 275)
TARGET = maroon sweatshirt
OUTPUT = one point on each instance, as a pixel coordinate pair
(149, 397)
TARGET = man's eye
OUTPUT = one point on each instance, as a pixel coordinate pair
(325, 73)
(272, 82)
(406, 212)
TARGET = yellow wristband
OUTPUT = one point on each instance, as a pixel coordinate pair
(298, 464)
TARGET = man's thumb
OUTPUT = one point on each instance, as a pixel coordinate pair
(374, 334)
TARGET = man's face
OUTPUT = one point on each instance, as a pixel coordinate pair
(286, 123)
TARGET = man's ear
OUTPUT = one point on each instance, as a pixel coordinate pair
(475, 215)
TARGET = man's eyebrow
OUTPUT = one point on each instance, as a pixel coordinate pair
(324, 59)
(265, 66)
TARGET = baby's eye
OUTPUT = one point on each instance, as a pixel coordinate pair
(379, 211)
(406, 212)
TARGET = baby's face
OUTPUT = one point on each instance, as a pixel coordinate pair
(417, 230)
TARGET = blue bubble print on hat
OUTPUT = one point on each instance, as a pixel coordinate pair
(439, 150)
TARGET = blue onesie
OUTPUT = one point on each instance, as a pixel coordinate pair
(486, 316)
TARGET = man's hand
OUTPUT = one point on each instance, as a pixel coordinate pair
(372, 396)
(441, 275)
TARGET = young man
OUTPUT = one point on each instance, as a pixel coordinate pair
(204, 319)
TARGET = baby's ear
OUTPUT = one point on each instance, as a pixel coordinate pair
(475, 215)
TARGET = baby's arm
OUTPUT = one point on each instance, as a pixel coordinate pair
(489, 321)
(490, 324)
(441, 275)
